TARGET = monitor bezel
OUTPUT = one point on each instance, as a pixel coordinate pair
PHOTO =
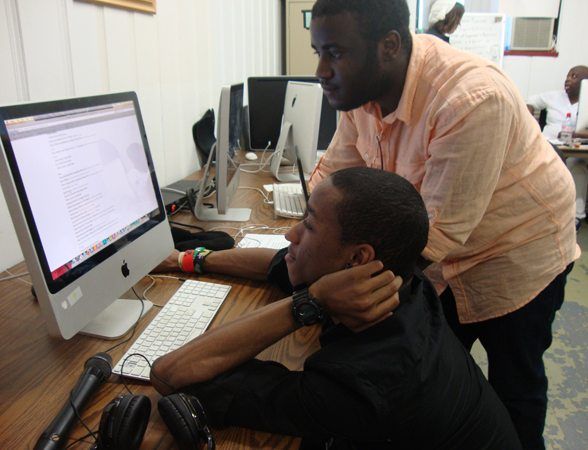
(225, 188)
(582, 115)
(31, 109)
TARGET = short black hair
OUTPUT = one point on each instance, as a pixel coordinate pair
(384, 210)
(376, 18)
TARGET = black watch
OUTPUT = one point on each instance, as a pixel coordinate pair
(305, 308)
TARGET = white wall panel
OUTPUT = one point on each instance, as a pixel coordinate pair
(14, 89)
(89, 54)
(121, 59)
(13, 73)
(148, 85)
(45, 39)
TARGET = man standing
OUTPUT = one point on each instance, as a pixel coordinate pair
(500, 202)
(558, 104)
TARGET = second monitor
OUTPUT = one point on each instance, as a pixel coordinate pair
(227, 172)
(266, 100)
(300, 129)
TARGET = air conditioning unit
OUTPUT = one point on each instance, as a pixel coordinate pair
(532, 33)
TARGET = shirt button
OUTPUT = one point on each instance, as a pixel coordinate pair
(365, 155)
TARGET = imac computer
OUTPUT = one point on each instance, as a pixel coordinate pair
(80, 185)
(266, 107)
(227, 171)
(582, 119)
(300, 128)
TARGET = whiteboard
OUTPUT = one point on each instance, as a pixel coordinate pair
(481, 34)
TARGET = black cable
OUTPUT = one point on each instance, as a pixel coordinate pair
(150, 367)
(91, 433)
(134, 326)
(179, 208)
(186, 225)
(76, 412)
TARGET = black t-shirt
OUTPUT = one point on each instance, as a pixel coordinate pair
(404, 383)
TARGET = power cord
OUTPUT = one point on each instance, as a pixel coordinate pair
(13, 276)
(266, 199)
(253, 227)
(261, 165)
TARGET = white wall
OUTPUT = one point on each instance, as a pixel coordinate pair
(176, 61)
(539, 74)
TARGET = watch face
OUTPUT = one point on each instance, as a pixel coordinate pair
(308, 313)
(306, 310)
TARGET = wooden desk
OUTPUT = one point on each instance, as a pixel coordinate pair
(575, 152)
(37, 372)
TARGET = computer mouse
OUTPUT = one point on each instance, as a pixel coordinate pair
(251, 156)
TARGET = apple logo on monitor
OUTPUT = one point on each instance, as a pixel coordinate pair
(125, 269)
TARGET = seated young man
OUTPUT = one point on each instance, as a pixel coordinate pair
(403, 382)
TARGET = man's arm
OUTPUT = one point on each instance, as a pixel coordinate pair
(221, 349)
(536, 102)
(251, 263)
(341, 153)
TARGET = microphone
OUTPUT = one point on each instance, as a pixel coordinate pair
(97, 369)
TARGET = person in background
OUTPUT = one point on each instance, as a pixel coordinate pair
(403, 382)
(499, 199)
(558, 104)
(444, 18)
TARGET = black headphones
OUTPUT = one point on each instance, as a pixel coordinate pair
(124, 421)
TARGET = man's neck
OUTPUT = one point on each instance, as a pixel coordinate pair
(391, 98)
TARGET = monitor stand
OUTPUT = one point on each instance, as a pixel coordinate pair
(204, 213)
(116, 320)
(283, 141)
(232, 214)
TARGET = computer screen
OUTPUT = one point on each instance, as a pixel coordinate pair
(84, 199)
(227, 171)
(582, 119)
(299, 131)
(266, 107)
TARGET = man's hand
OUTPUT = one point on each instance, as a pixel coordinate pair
(357, 299)
(169, 264)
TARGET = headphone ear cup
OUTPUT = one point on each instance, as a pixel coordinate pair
(178, 418)
(123, 423)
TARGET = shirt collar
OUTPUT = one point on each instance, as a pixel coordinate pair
(404, 111)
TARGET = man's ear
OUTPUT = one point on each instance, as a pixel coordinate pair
(390, 46)
(363, 254)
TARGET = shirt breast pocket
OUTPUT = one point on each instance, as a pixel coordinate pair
(369, 151)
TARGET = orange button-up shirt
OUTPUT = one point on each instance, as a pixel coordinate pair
(500, 200)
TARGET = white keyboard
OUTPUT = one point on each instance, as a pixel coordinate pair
(289, 200)
(186, 315)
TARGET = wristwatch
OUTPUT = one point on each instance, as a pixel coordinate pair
(305, 308)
